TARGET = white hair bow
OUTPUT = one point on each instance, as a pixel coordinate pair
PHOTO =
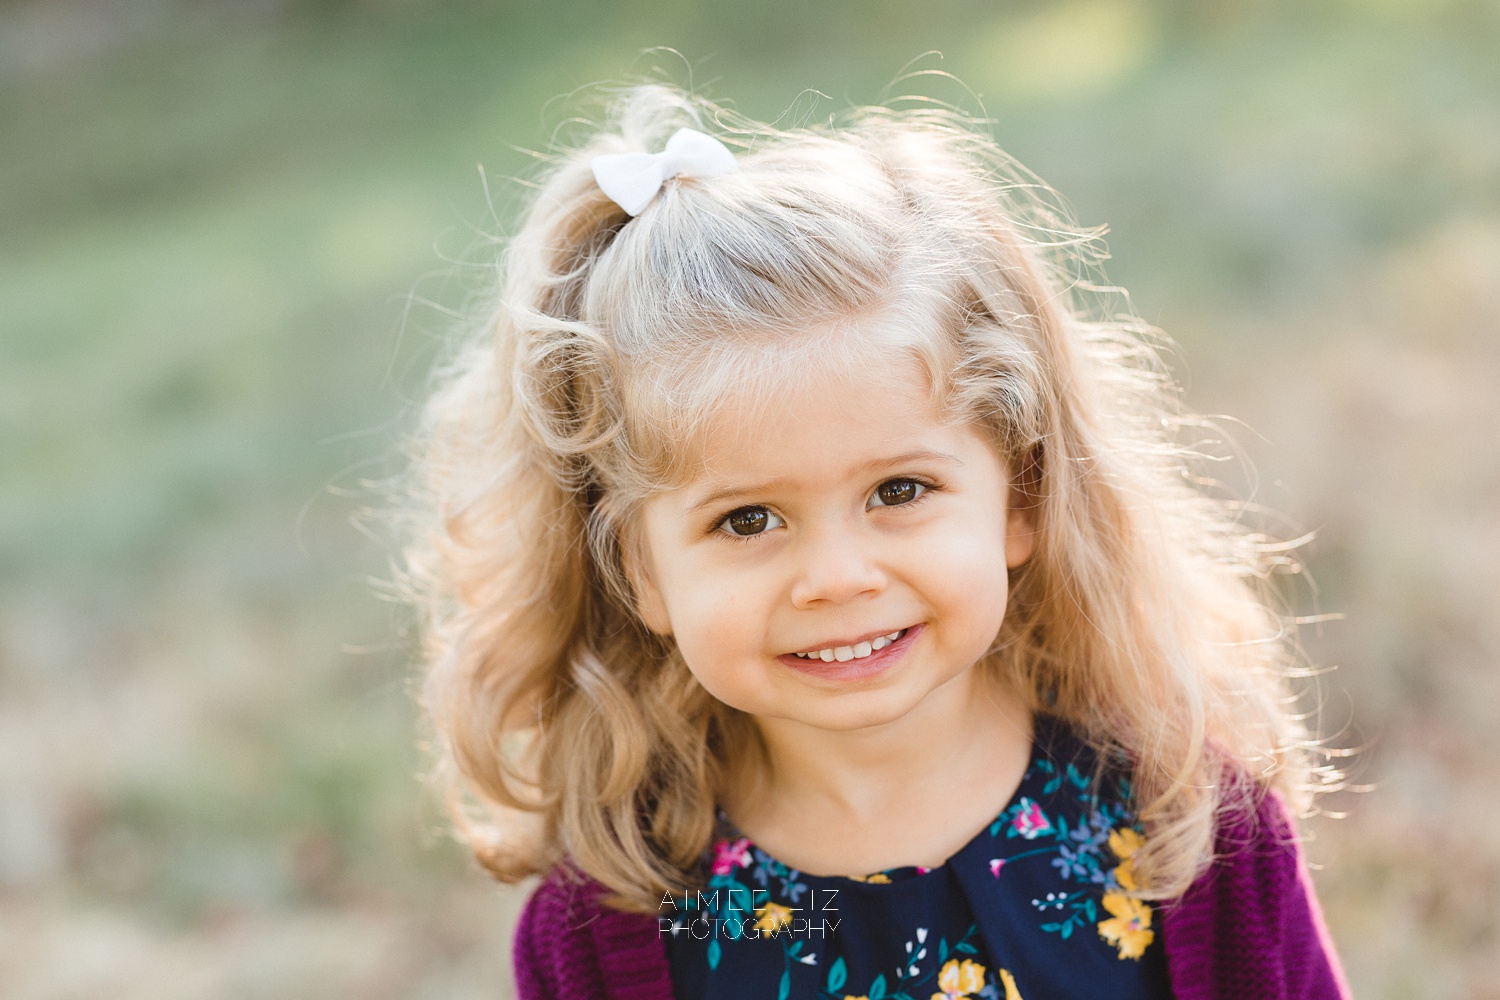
(632, 179)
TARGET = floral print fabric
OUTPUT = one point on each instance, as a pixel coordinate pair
(1035, 906)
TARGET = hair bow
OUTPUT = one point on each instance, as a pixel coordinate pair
(632, 179)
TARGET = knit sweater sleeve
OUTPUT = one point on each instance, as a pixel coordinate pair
(568, 946)
(550, 953)
(1250, 928)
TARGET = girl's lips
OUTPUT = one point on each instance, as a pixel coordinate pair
(867, 666)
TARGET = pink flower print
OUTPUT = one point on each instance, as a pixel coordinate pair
(1030, 822)
(995, 865)
(729, 856)
(923, 869)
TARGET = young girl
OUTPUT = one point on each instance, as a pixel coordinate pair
(819, 601)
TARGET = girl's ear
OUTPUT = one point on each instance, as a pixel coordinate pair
(1020, 530)
(1021, 501)
(648, 603)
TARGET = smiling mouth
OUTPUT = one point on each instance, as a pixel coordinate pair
(858, 651)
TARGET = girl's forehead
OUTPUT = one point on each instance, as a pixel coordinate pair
(815, 421)
(695, 411)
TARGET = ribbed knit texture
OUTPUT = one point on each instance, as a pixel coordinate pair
(1249, 929)
(568, 947)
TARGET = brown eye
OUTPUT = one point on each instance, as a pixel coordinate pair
(896, 492)
(751, 521)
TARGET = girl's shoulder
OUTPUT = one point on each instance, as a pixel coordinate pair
(1250, 819)
(569, 945)
(1253, 915)
(1255, 898)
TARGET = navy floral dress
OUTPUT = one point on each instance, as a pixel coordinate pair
(1030, 908)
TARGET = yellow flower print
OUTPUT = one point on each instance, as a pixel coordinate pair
(850, 996)
(1130, 928)
(879, 878)
(773, 917)
(1125, 842)
(1009, 982)
(959, 979)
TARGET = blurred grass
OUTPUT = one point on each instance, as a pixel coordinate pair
(233, 235)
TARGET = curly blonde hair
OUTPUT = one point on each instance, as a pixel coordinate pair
(1146, 618)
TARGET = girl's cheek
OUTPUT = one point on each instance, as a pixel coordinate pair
(968, 574)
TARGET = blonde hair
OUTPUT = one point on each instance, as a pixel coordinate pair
(567, 731)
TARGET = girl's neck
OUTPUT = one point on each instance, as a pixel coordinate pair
(909, 792)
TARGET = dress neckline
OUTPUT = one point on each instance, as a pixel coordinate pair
(730, 840)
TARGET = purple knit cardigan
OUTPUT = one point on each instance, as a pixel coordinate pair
(1249, 929)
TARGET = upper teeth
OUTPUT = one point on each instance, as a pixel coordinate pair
(856, 651)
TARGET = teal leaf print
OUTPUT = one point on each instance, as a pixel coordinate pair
(1047, 767)
(786, 985)
(877, 988)
(836, 976)
(714, 953)
(966, 948)
(942, 950)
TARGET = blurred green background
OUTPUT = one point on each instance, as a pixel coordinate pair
(233, 236)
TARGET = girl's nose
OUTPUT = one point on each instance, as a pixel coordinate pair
(835, 569)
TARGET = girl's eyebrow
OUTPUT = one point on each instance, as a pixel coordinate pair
(727, 492)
